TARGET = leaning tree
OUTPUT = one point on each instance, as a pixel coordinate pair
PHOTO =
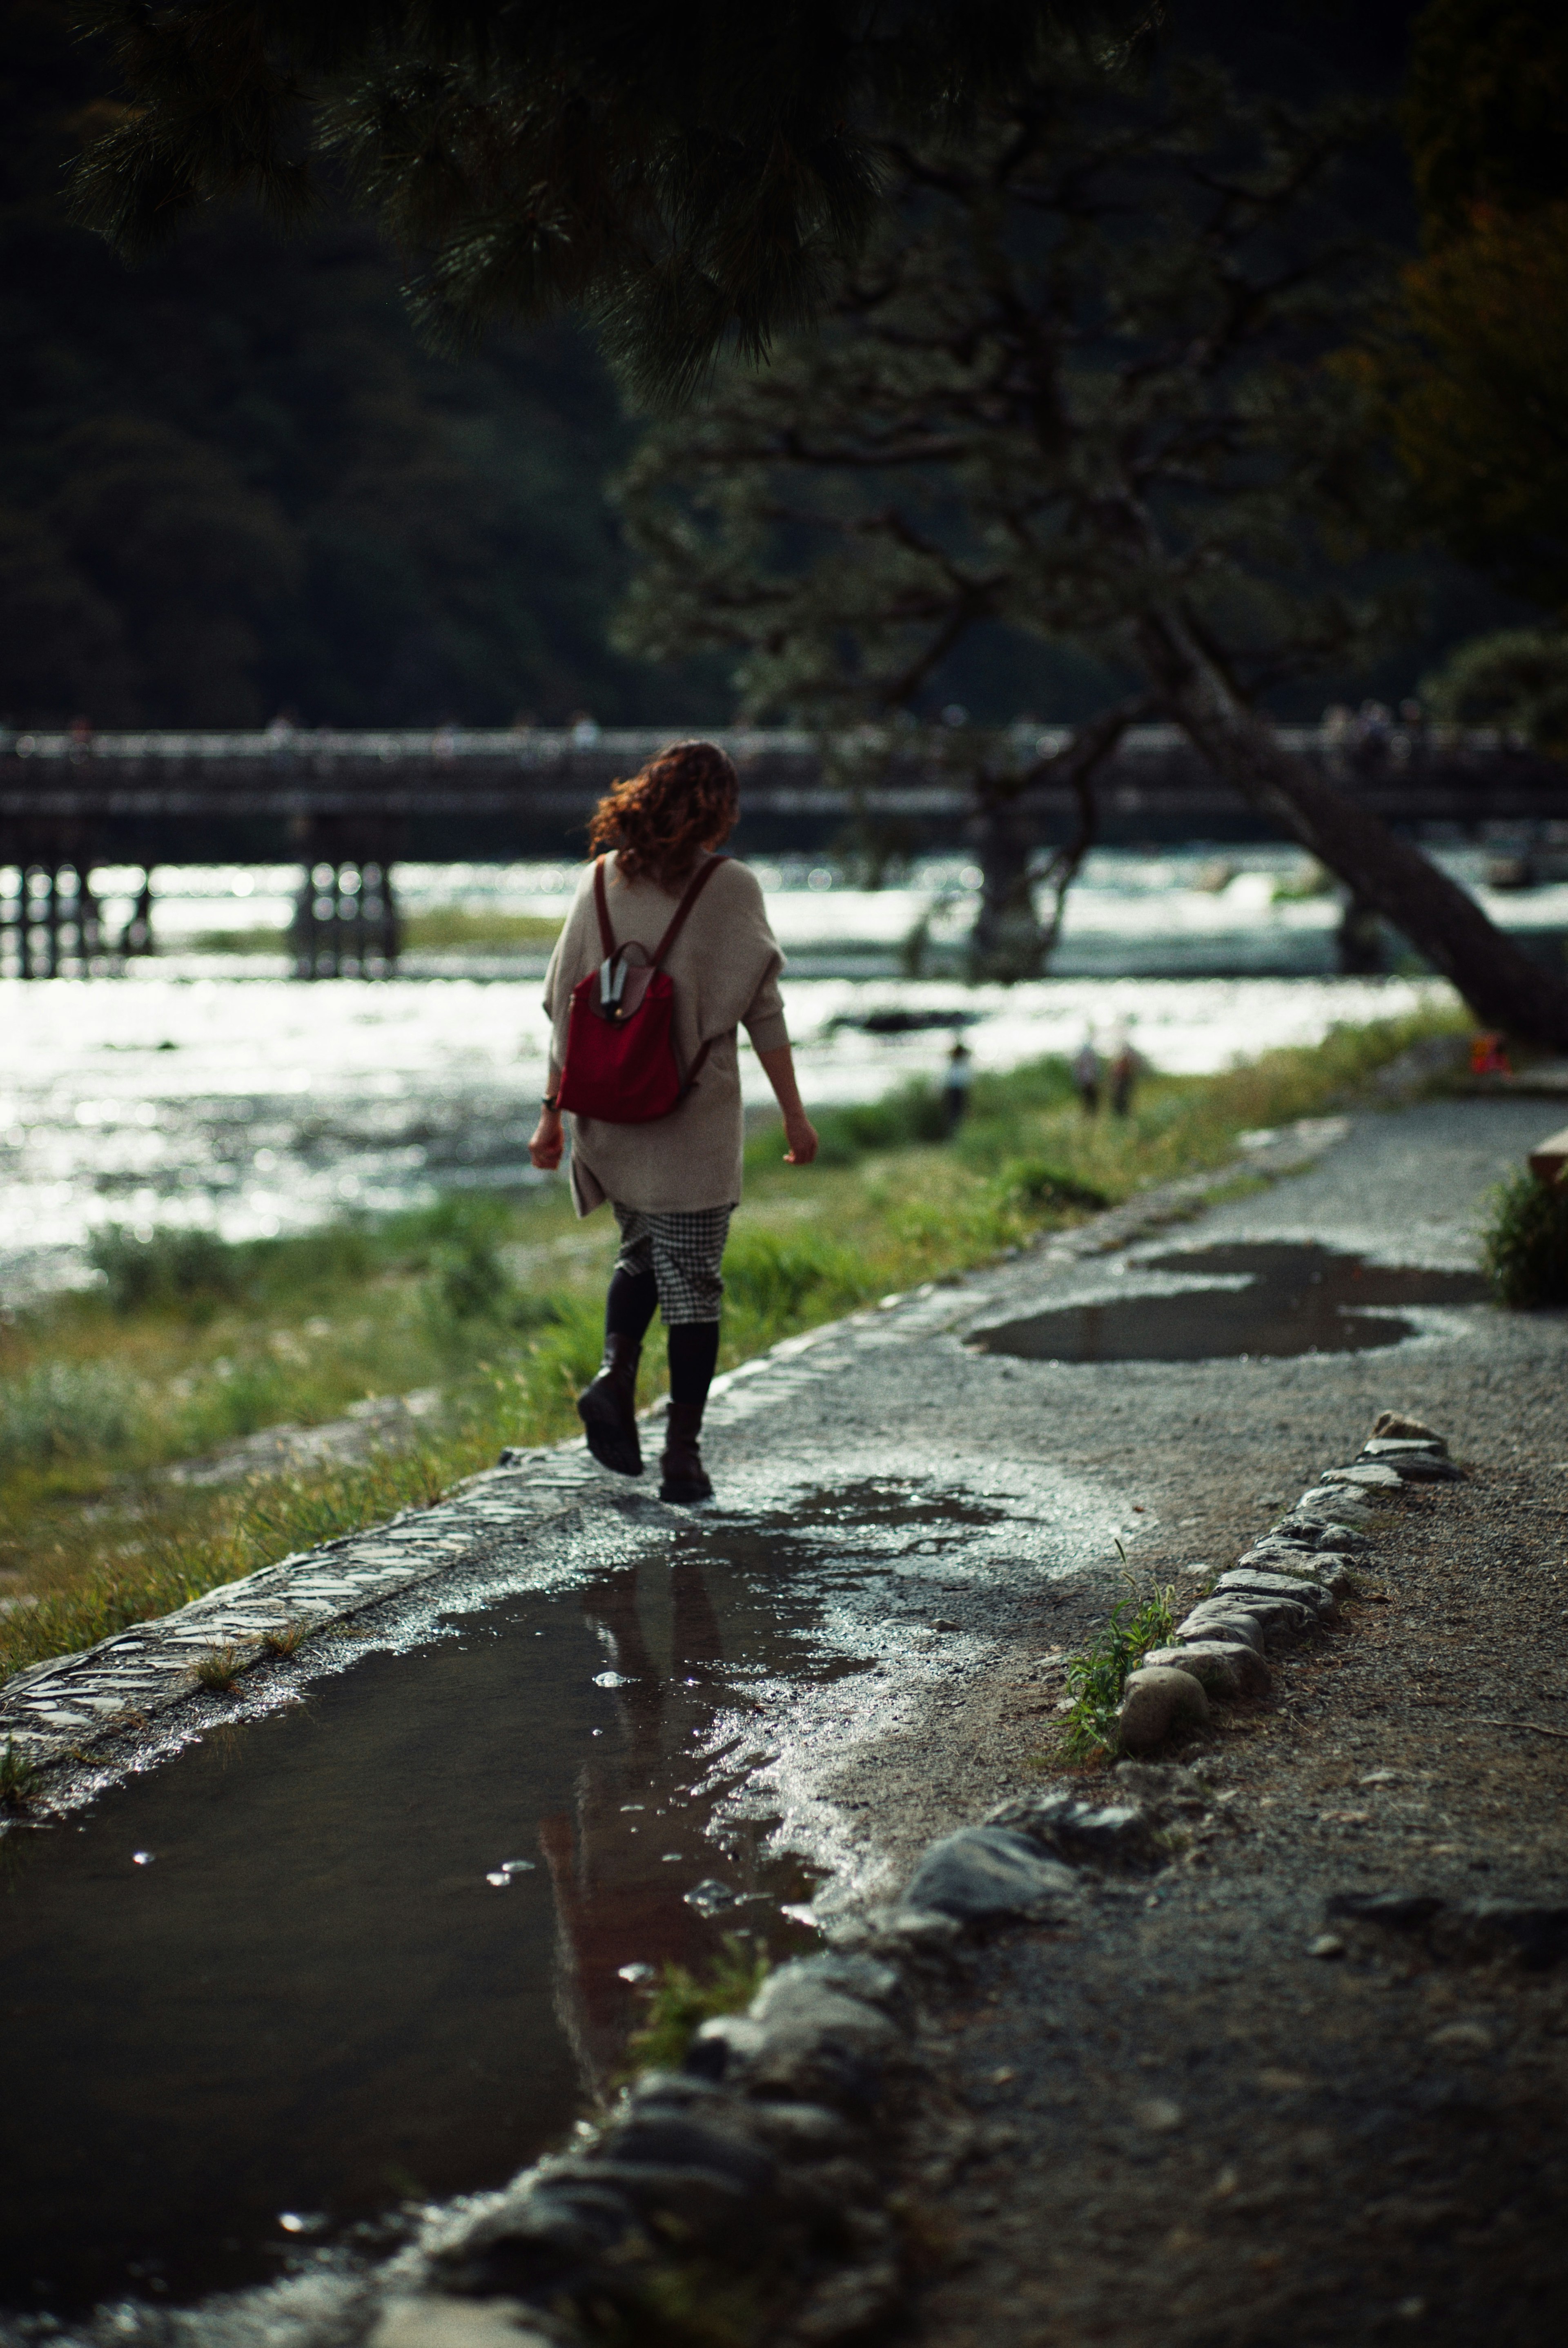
(1082, 385)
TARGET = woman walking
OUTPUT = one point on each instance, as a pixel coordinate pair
(665, 953)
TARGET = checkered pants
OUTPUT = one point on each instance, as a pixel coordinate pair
(683, 1253)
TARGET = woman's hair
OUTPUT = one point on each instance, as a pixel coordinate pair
(685, 799)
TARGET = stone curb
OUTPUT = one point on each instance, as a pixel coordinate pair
(56, 1711)
(1287, 1584)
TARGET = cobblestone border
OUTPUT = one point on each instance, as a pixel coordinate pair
(55, 1710)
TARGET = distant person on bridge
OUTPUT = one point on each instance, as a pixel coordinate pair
(665, 953)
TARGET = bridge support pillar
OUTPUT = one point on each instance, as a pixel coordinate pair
(345, 921)
(50, 925)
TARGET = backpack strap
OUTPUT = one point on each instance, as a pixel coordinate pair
(601, 907)
(694, 887)
(695, 1070)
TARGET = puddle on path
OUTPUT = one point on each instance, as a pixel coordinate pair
(315, 2000)
(1276, 1298)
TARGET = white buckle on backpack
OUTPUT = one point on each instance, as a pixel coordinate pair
(611, 982)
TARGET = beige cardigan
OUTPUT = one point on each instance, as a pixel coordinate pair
(725, 968)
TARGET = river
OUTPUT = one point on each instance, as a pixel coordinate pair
(209, 1087)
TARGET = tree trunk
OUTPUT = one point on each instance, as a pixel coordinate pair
(1007, 942)
(1503, 986)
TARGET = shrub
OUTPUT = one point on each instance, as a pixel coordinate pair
(67, 1410)
(912, 1114)
(773, 1276)
(167, 1266)
(1034, 1183)
(1524, 1247)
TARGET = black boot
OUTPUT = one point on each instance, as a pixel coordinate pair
(608, 1407)
(685, 1477)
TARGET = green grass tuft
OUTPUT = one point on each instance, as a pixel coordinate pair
(1524, 1247)
(18, 1778)
(1096, 1680)
(680, 2001)
(285, 1638)
(218, 1669)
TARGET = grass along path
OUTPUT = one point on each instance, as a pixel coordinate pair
(495, 1300)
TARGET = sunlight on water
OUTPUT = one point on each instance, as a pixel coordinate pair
(263, 1105)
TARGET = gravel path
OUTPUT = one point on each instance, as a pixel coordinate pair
(1179, 2123)
(1181, 2118)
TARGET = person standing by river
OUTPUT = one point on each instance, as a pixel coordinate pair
(659, 898)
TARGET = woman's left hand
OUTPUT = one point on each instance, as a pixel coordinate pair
(547, 1142)
(801, 1135)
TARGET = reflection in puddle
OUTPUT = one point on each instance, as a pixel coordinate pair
(1279, 1298)
(393, 1938)
(340, 1984)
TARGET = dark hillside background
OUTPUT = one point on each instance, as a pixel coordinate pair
(232, 482)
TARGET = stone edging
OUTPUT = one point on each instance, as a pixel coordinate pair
(767, 2157)
(54, 1711)
(1283, 1586)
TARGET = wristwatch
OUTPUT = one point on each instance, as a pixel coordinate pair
(550, 1102)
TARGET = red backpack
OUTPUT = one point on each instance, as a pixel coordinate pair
(621, 1064)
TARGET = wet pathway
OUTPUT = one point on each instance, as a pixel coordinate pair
(377, 1933)
(316, 2000)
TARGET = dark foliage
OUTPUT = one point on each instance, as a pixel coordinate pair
(683, 170)
(1525, 1248)
(230, 481)
(1083, 385)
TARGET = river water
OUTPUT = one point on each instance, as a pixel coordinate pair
(209, 1087)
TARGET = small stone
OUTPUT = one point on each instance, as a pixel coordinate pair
(985, 1874)
(1395, 1423)
(656, 2138)
(1277, 1617)
(1155, 1704)
(1534, 1933)
(845, 1972)
(1222, 1668)
(1216, 1623)
(1342, 1505)
(1395, 1911)
(1395, 1448)
(1368, 1476)
(1081, 1832)
(1297, 1534)
(711, 1897)
(1254, 1581)
(925, 1930)
(431, 2320)
(847, 2303)
(1326, 1944)
(1464, 2038)
(1159, 2116)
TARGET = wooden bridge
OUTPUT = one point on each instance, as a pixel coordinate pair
(349, 807)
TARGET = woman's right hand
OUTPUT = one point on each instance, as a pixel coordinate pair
(548, 1141)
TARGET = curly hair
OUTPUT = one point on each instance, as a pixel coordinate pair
(685, 799)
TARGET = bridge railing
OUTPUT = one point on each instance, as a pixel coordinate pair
(561, 745)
